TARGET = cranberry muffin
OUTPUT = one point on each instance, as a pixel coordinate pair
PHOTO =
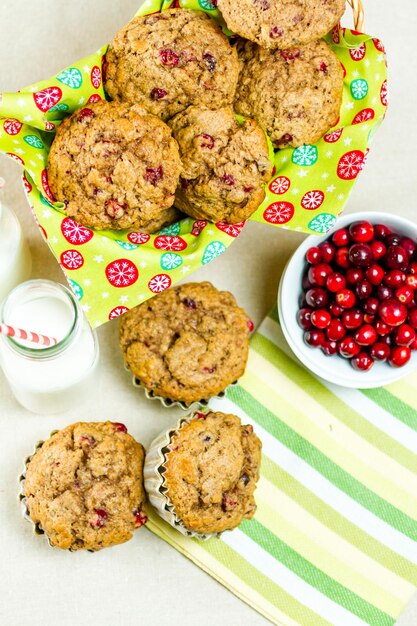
(84, 486)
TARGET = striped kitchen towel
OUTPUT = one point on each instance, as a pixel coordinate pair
(334, 538)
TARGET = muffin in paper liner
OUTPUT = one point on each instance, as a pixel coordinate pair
(153, 473)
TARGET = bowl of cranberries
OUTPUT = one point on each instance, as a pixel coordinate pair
(348, 303)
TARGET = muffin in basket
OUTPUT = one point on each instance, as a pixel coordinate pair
(186, 344)
(83, 487)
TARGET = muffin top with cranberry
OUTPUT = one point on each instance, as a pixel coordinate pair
(84, 486)
(114, 166)
(295, 94)
(188, 343)
(225, 164)
(281, 24)
(211, 472)
(169, 60)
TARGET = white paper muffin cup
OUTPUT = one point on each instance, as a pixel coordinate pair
(154, 471)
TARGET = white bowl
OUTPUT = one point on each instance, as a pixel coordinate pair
(335, 369)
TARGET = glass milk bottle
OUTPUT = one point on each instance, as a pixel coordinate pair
(59, 377)
(15, 259)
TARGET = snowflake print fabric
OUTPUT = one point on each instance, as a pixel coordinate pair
(111, 272)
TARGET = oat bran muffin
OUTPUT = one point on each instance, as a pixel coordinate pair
(114, 166)
(225, 164)
(188, 343)
(167, 61)
(84, 486)
(281, 23)
(211, 472)
(295, 94)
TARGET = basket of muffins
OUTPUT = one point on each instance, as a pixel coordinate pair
(152, 153)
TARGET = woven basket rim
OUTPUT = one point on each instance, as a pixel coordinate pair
(358, 13)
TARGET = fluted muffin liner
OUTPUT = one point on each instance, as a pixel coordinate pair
(154, 470)
(168, 403)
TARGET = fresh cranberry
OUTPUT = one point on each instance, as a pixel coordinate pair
(114, 209)
(362, 362)
(335, 330)
(396, 258)
(361, 231)
(382, 328)
(411, 281)
(352, 319)
(335, 282)
(381, 231)
(394, 278)
(158, 94)
(346, 298)
(317, 298)
(354, 275)
(388, 339)
(378, 249)
(140, 518)
(317, 274)
(366, 335)
(413, 344)
(335, 309)
(313, 255)
(404, 294)
(412, 317)
(153, 175)
(380, 351)
(413, 267)
(306, 283)
(119, 427)
(371, 306)
(210, 61)
(99, 519)
(363, 289)
(400, 355)
(314, 338)
(327, 251)
(368, 318)
(207, 141)
(342, 257)
(360, 255)
(329, 348)
(304, 318)
(375, 274)
(393, 239)
(409, 246)
(168, 57)
(341, 237)
(348, 348)
(392, 312)
(320, 318)
(384, 292)
(404, 335)
(250, 325)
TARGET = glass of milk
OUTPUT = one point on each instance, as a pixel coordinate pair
(50, 379)
(15, 259)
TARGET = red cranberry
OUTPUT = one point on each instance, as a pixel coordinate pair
(341, 257)
(352, 319)
(380, 351)
(119, 427)
(168, 57)
(396, 258)
(362, 362)
(341, 237)
(306, 283)
(388, 339)
(360, 255)
(290, 55)
(382, 329)
(275, 32)
(409, 246)
(314, 338)
(335, 309)
(250, 325)
(335, 330)
(335, 282)
(85, 114)
(313, 255)
(114, 209)
(404, 335)
(363, 289)
(140, 518)
(207, 141)
(371, 306)
(86, 439)
(158, 94)
(375, 274)
(153, 174)
(228, 180)
(324, 67)
(317, 298)
(320, 318)
(400, 355)
(354, 275)
(99, 518)
(384, 293)
(381, 231)
(392, 312)
(189, 303)
(327, 251)
(346, 298)
(287, 138)
(210, 61)
(378, 249)
(412, 318)
(368, 318)
(317, 274)
(393, 239)
(329, 347)
(366, 335)
(411, 281)
(348, 348)
(413, 267)
(361, 231)
(404, 294)
(394, 278)
(413, 344)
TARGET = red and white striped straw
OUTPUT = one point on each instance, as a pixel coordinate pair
(27, 335)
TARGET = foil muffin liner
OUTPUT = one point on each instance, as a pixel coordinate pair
(154, 470)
